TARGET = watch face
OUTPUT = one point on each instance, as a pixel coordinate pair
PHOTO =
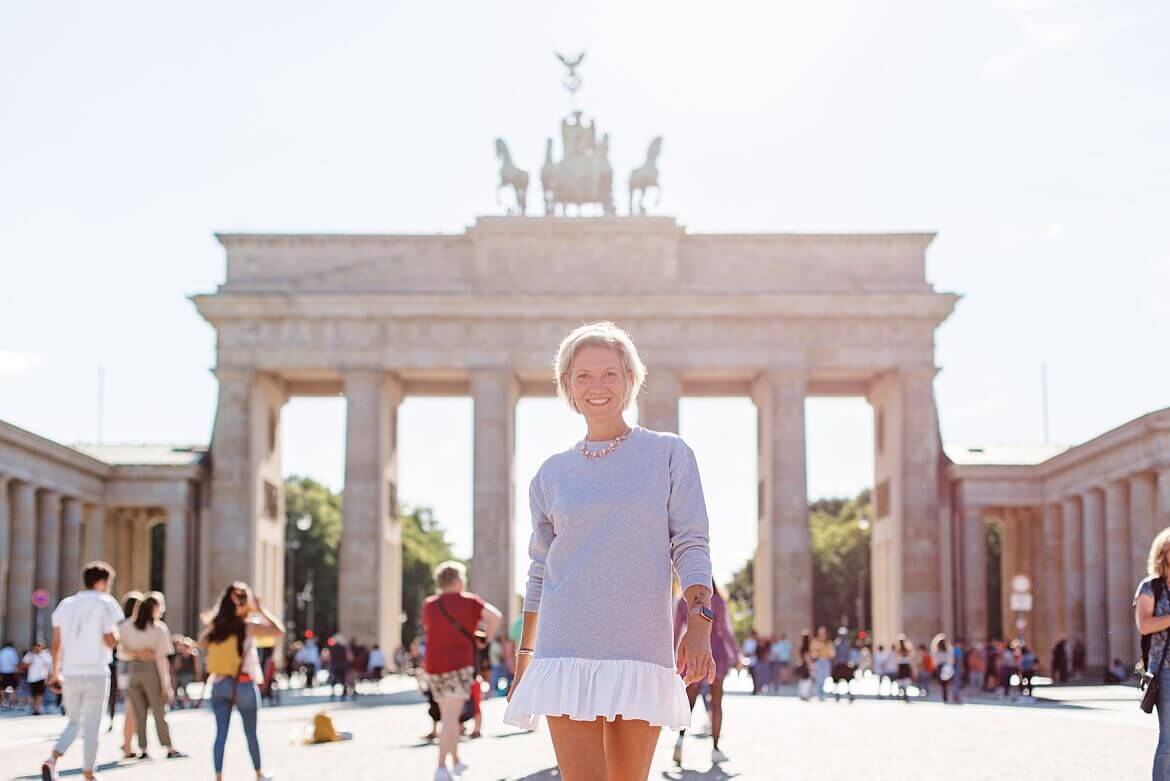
(706, 612)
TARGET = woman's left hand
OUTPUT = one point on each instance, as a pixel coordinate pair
(695, 661)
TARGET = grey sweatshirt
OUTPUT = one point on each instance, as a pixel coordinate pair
(605, 534)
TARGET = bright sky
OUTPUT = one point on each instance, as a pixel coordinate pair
(1032, 135)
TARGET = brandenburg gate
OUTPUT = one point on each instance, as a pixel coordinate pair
(775, 317)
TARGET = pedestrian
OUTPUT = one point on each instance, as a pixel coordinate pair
(1060, 660)
(725, 651)
(499, 668)
(976, 668)
(338, 666)
(943, 656)
(1079, 654)
(120, 680)
(1151, 605)
(992, 653)
(9, 678)
(1009, 666)
(822, 654)
(377, 664)
(751, 646)
(924, 668)
(228, 643)
(881, 665)
(1027, 670)
(843, 665)
(450, 619)
(146, 641)
(85, 631)
(612, 517)
(37, 665)
(804, 667)
(904, 666)
(962, 670)
(310, 659)
(782, 653)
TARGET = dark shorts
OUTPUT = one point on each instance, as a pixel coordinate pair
(9, 680)
(37, 688)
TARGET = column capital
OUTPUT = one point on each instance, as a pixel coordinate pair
(233, 373)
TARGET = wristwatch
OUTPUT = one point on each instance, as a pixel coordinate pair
(702, 610)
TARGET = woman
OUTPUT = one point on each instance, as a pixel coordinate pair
(1152, 614)
(804, 667)
(229, 646)
(725, 651)
(610, 517)
(449, 620)
(944, 663)
(904, 665)
(120, 679)
(146, 642)
(822, 653)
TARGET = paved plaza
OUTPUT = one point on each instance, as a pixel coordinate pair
(1088, 732)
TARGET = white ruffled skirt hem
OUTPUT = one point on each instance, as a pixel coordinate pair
(584, 689)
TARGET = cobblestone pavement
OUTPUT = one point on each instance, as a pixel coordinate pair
(1087, 732)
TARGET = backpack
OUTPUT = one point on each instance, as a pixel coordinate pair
(223, 658)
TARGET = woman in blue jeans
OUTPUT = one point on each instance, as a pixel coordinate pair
(229, 642)
(1152, 613)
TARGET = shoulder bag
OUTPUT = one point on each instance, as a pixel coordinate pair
(1151, 683)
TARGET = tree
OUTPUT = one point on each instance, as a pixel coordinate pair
(424, 545)
(314, 552)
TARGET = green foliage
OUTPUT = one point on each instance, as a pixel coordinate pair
(424, 545)
(994, 581)
(317, 554)
(841, 562)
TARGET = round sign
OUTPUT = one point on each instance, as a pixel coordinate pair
(1021, 583)
(1021, 623)
(40, 598)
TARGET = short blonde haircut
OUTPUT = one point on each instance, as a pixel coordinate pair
(1156, 565)
(601, 334)
(448, 572)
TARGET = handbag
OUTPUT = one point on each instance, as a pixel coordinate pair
(1151, 683)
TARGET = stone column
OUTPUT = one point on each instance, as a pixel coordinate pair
(783, 572)
(140, 551)
(1096, 622)
(22, 567)
(974, 573)
(1073, 568)
(658, 402)
(1051, 605)
(1163, 509)
(234, 493)
(5, 552)
(49, 543)
(1143, 499)
(176, 575)
(95, 533)
(370, 572)
(493, 563)
(70, 578)
(1118, 571)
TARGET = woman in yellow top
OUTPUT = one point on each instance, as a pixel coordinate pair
(230, 645)
(146, 643)
(822, 653)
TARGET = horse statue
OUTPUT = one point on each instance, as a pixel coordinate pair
(512, 176)
(645, 177)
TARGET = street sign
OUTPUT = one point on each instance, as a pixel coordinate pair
(1021, 603)
(1021, 583)
(40, 598)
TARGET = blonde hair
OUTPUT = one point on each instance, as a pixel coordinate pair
(1156, 565)
(448, 572)
(600, 334)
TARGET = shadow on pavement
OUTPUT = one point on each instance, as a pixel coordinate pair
(541, 775)
(106, 768)
(713, 774)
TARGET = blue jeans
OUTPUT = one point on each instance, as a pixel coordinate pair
(822, 668)
(1162, 752)
(248, 703)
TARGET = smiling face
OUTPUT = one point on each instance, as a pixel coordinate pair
(599, 383)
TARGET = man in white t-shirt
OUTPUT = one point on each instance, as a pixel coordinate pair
(9, 682)
(85, 632)
(38, 663)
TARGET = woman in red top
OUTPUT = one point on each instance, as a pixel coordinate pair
(449, 620)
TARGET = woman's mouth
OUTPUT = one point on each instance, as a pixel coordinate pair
(597, 402)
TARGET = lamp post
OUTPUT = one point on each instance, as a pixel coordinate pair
(863, 526)
(303, 523)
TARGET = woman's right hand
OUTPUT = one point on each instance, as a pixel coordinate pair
(522, 663)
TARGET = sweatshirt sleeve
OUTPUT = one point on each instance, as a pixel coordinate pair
(538, 545)
(687, 516)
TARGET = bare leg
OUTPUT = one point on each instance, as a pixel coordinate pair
(580, 748)
(449, 709)
(629, 749)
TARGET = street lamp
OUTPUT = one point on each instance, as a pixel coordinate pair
(863, 526)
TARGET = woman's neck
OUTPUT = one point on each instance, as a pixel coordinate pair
(603, 430)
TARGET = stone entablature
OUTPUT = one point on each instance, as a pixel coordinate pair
(639, 255)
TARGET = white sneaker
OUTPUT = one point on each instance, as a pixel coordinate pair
(459, 769)
(442, 774)
(717, 756)
(678, 751)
